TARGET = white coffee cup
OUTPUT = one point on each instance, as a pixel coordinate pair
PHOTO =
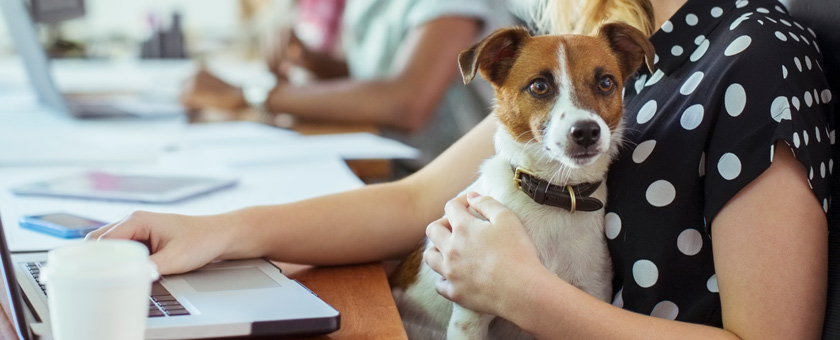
(99, 290)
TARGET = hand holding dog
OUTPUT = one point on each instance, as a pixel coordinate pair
(474, 277)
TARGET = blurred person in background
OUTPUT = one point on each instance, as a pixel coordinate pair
(396, 69)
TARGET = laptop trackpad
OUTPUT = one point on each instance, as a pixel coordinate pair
(220, 279)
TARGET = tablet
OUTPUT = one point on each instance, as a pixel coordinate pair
(125, 187)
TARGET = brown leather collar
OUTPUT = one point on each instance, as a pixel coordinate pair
(570, 197)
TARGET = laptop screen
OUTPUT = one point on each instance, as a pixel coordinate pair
(31, 53)
(15, 309)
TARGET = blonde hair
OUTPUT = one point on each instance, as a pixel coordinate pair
(584, 16)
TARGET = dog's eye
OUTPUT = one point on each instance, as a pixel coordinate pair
(539, 88)
(606, 84)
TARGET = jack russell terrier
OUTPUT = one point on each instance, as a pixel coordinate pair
(559, 105)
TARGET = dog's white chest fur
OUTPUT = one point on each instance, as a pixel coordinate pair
(572, 245)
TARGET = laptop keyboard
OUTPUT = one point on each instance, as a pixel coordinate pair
(161, 302)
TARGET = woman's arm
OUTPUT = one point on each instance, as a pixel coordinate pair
(405, 100)
(377, 222)
(371, 223)
(770, 253)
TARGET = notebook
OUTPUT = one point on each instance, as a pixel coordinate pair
(35, 60)
(227, 298)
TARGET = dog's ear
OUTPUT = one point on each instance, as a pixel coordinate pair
(631, 46)
(493, 56)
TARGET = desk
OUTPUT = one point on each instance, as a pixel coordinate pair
(359, 292)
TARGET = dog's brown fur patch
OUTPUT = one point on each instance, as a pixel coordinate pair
(406, 273)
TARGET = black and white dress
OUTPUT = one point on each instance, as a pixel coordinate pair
(732, 79)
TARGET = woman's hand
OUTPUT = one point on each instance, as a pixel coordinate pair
(178, 243)
(481, 256)
(204, 90)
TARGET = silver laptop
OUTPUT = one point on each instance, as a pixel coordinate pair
(222, 299)
(22, 30)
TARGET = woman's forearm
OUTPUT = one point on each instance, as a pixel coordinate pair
(372, 223)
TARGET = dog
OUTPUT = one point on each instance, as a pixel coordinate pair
(559, 107)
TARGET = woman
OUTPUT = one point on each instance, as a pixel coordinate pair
(716, 229)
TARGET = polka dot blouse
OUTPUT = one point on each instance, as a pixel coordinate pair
(732, 79)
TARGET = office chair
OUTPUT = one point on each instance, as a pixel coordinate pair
(823, 16)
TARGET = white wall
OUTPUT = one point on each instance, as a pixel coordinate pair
(127, 20)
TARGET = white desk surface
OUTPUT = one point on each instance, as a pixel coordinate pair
(273, 166)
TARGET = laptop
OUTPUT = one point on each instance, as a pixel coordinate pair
(223, 299)
(22, 29)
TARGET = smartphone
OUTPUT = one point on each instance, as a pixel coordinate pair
(62, 225)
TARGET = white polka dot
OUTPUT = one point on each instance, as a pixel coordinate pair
(667, 26)
(655, 77)
(780, 109)
(812, 32)
(691, 20)
(690, 242)
(735, 99)
(762, 10)
(796, 140)
(798, 64)
(760, 22)
(742, 3)
(781, 36)
(692, 117)
(640, 83)
(699, 39)
(691, 84)
(618, 301)
(702, 166)
(817, 134)
(655, 58)
(831, 137)
(772, 152)
(737, 22)
(643, 150)
(712, 285)
(646, 112)
(811, 174)
(809, 100)
(787, 23)
(660, 193)
(612, 225)
(830, 166)
(779, 9)
(805, 137)
(825, 204)
(772, 20)
(784, 72)
(729, 166)
(700, 51)
(798, 25)
(817, 47)
(805, 40)
(825, 95)
(796, 38)
(665, 310)
(822, 169)
(737, 46)
(717, 12)
(677, 50)
(645, 273)
(795, 101)
(808, 62)
(816, 97)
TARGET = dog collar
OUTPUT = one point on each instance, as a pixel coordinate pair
(570, 197)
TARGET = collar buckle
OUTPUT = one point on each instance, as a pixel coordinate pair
(517, 176)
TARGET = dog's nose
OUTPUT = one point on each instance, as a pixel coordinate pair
(585, 133)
